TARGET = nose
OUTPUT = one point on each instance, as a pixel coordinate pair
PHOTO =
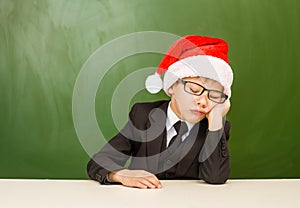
(202, 100)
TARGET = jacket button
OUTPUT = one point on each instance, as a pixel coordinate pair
(224, 154)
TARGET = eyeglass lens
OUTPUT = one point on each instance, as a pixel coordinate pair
(196, 89)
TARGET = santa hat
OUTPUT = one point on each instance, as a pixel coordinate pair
(192, 56)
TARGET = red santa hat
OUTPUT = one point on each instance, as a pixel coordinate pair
(192, 56)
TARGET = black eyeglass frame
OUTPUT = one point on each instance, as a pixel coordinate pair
(223, 95)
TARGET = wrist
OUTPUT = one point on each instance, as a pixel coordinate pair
(116, 176)
(215, 123)
(111, 176)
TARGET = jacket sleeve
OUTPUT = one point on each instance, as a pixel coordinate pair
(113, 155)
(214, 160)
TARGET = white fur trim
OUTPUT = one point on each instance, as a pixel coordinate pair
(201, 65)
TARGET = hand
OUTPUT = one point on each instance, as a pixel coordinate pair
(135, 178)
(216, 115)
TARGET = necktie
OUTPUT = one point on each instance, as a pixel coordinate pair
(181, 128)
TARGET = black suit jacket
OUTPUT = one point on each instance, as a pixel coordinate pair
(143, 139)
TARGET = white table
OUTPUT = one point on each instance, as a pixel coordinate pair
(179, 193)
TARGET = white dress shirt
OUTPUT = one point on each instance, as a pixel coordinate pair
(171, 120)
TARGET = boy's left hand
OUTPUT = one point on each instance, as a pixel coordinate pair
(215, 116)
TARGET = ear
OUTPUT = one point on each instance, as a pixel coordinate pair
(171, 90)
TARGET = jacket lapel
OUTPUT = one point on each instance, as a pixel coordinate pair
(156, 131)
(191, 147)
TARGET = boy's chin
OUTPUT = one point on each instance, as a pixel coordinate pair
(195, 119)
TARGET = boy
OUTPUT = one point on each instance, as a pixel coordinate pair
(184, 138)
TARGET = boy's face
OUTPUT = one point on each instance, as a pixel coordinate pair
(192, 108)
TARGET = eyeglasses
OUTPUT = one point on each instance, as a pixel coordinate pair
(197, 89)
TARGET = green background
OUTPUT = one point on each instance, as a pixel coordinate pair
(44, 44)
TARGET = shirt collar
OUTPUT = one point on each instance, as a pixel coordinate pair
(172, 119)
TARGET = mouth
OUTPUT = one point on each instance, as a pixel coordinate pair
(198, 112)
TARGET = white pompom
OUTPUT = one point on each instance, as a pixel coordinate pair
(153, 83)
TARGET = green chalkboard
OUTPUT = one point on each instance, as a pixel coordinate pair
(46, 44)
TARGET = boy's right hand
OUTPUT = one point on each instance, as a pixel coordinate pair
(135, 178)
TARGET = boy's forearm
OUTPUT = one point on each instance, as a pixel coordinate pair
(215, 123)
(214, 157)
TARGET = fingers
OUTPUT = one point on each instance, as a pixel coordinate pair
(150, 182)
(227, 107)
(139, 179)
(154, 180)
